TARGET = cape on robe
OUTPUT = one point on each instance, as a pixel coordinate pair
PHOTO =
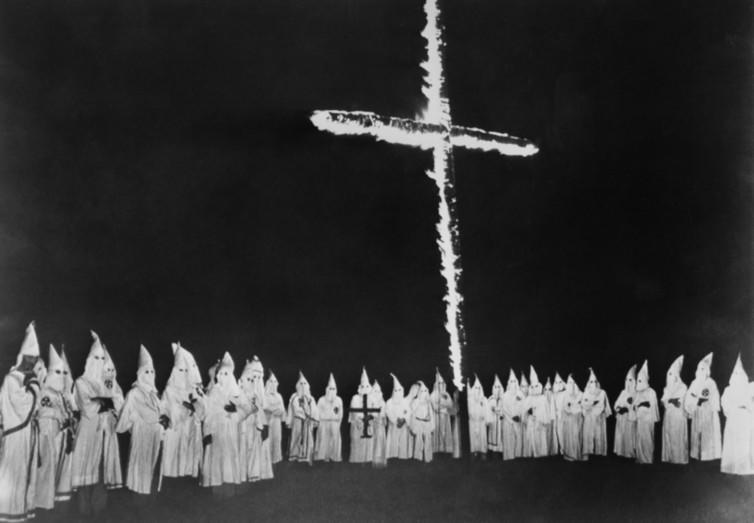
(221, 462)
(398, 436)
(596, 409)
(274, 408)
(647, 414)
(495, 428)
(141, 417)
(737, 439)
(705, 441)
(55, 443)
(182, 443)
(535, 435)
(302, 419)
(513, 430)
(444, 410)
(675, 425)
(18, 452)
(572, 426)
(625, 425)
(328, 442)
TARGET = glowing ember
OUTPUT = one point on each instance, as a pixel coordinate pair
(433, 131)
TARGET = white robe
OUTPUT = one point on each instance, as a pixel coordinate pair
(362, 448)
(625, 425)
(479, 417)
(444, 411)
(111, 448)
(675, 425)
(379, 440)
(328, 446)
(572, 426)
(255, 452)
(535, 436)
(513, 431)
(302, 419)
(552, 437)
(274, 408)
(646, 417)
(88, 450)
(55, 417)
(398, 437)
(64, 489)
(221, 462)
(141, 417)
(421, 424)
(18, 452)
(558, 400)
(705, 442)
(182, 443)
(495, 428)
(595, 408)
(737, 451)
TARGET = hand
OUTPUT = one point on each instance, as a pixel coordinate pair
(164, 421)
(265, 432)
(595, 402)
(190, 406)
(675, 402)
(530, 411)
(621, 410)
(630, 400)
(207, 440)
(77, 415)
(644, 404)
(106, 404)
(700, 401)
(516, 418)
(28, 378)
(336, 410)
(401, 422)
(231, 407)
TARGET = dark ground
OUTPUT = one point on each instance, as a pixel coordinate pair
(547, 489)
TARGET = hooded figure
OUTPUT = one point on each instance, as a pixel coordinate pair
(558, 400)
(302, 418)
(96, 441)
(221, 463)
(422, 423)
(19, 401)
(572, 422)
(524, 385)
(738, 407)
(111, 451)
(379, 441)
(330, 407)
(144, 417)
(256, 458)
(647, 414)
(183, 399)
(397, 410)
(702, 405)
(495, 428)
(675, 431)
(445, 414)
(538, 417)
(596, 409)
(513, 429)
(56, 419)
(63, 490)
(625, 418)
(552, 437)
(274, 408)
(360, 417)
(479, 418)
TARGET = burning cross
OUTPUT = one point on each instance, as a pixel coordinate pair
(434, 131)
(365, 411)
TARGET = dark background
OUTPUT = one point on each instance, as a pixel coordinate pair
(160, 180)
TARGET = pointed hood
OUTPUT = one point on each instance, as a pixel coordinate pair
(674, 371)
(497, 387)
(642, 379)
(558, 385)
(571, 387)
(331, 391)
(477, 391)
(512, 388)
(377, 392)
(194, 374)
(548, 385)
(704, 367)
(145, 374)
(66, 371)
(29, 347)
(439, 385)
(224, 378)
(302, 385)
(55, 371)
(364, 386)
(591, 383)
(179, 374)
(95, 362)
(524, 385)
(397, 387)
(630, 381)
(535, 387)
(738, 378)
(271, 385)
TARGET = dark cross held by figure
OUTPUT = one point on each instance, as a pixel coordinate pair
(367, 416)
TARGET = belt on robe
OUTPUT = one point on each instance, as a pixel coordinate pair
(423, 419)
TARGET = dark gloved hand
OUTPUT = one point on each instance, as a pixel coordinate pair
(190, 406)
(530, 411)
(622, 410)
(164, 421)
(595, 402)
(630, 400)
(28, 378)
(77, 415)
(675, 402)
(207, 440)
(231, 407)
(516, 418)
(644, 404)
(106, 404)
(265, 432)
(700, 401)
(401, 422)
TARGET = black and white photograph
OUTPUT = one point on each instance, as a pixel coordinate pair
(376, 260)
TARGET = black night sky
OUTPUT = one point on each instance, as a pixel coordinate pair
(160, 180)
